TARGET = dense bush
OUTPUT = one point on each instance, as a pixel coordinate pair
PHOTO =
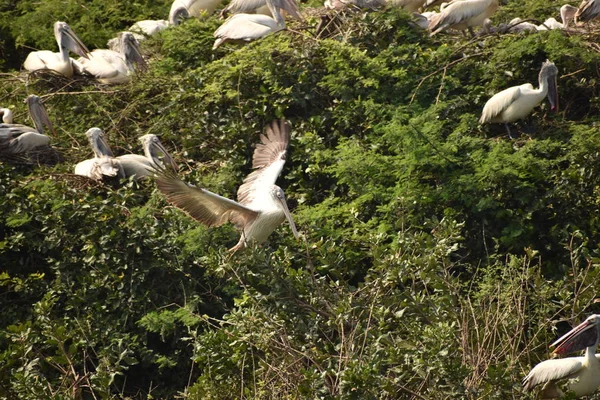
(435, 256)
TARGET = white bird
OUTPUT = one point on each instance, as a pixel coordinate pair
(587, 11)
(516, 102)
(274, 6)
(366, 4)
(463, 14)
(583, 373)
(57, 62)
(409, 5)
(517, 25)
(155, 156)
(242, 28)
(103, 165)
(17, 138)
(261, 205)
(109, 66)
(567, 14)
(194, 7)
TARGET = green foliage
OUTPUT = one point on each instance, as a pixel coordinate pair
(434, 256)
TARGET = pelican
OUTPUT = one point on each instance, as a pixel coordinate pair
(567, 14)
(109, 66)
(57, 62)
(516, 102)
(587, 11)
(339, 4)
(103, 165)
(140, 166)
(17, 138)
(463, 14)
(410, 6)
(245, 28)
(261, 205)
(583, 373)
(194, 7)
(248, 6)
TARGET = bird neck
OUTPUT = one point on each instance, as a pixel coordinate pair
(590, 351)
(543, 82)
(7, 115)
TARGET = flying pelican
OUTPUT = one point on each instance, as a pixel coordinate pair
(587, 11)
(463, 14)
(261, 205)
(567, 14)
(58, 62)
(241, 28)
(140, 166)
(17, 138)
(248, 6)
(194, 7)
(583, 372)
(103, 165)
(109, 66)
(516, 102)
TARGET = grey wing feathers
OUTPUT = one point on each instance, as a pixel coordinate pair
(202, 205)
(551, 370)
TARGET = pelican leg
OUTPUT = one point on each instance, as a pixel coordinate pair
(508, 130)
(471, 32)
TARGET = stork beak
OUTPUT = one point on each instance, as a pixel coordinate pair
(157, 150)
(553, 93)
(39, 114)
(288, 216)
(578, 338)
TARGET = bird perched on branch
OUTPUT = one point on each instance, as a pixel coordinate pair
(463, 14)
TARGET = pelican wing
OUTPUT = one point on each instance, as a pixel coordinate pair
(551, 370)
(245, 27)
(202, 205)
(268, 160)
(457, 12)
(500, 102)
(104, 64)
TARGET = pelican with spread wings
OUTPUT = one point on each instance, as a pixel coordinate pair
(261, 205)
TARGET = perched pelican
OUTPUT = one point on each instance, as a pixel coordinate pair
(583, 373)
(140, 166)
(17, 138)
(245, 28)
(194, 7)
(248, 6)
(340, 4)
(567, 14)
(109, 66)
(587, 11)
(410, 6)
(463, 14)
(516, 102)
(103, 165)
(261, 205)
(58, 62)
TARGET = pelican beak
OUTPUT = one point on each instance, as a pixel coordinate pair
(39, 114)
(158, 152)
(553, 93)
(75, 44)
(103, 147)
(578, 338)
(132, 53)
(288, 216)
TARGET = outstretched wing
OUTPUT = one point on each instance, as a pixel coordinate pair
(204, 206)
(268, 160)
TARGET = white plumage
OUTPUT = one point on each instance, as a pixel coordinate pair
(103, 165)
(245, 28)
(155, 156)
(463, 14)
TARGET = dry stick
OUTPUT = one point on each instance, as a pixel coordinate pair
(572, 73)
(442, 69)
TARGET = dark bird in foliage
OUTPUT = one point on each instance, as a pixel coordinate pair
(583, 373)
(58, 62)
(103, 166)
(155, 156)
(261, 205)
(516, 102)
(587, 11)
(463, 14)
(21, 143)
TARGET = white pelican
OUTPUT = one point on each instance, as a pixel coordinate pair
(463, 14)
(583, 373)
(587, 11)
(567, 14)
(516, 102)
(57, 62)
(340, 4)
(103, 165)
(249, 6)
(261, 205)
(17, 138)
(245, 28)
(109, 66)
(155, 156)
(194, 7)
(409, 5)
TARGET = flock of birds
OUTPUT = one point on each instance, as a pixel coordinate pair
(261, 205)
